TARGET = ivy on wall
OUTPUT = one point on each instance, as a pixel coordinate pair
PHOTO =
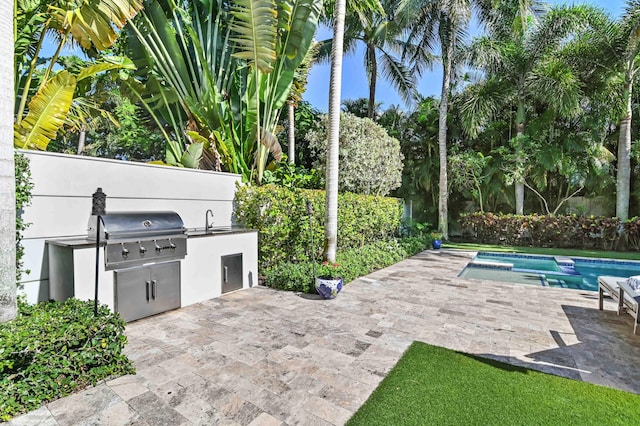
(24, 185)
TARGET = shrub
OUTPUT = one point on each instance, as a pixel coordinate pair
(370, 159)
(292, 176)
(351, 264)
(561, 231)
(632, 232)
(54, 348)
(280, 216)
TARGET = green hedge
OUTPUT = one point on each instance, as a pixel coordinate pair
(51, 349)
(351, 264)
(280, 216)
(560, 231)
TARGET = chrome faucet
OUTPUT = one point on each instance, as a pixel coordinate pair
(208, 225)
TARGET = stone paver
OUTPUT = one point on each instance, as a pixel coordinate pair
(267, 357)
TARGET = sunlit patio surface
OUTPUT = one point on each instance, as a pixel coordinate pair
(267, 357)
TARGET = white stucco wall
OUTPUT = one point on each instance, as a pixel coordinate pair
(64, 184)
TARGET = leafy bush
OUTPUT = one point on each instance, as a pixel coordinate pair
(350, 264)
(292, 176)
(53, 348)
(370, 159)
(280, 216)
(632, 232)
(24, 185)
(561, 231)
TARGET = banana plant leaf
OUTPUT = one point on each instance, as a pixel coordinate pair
(107, 63)
(92, 24)
(47, 113)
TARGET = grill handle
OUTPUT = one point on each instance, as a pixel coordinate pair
(153, 289)
(147, 286)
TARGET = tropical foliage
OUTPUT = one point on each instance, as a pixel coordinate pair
(217, 73)
(48, 98)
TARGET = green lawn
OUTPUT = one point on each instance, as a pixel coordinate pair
(548, 251)
(436, 386)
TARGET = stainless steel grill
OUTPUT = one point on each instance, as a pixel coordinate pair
(137, 238)
(143, 249)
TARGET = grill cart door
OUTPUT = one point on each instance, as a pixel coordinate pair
(147, 290)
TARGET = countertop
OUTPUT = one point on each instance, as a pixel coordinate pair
(79, 242)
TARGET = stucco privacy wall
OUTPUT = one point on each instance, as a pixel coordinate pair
(64, 184)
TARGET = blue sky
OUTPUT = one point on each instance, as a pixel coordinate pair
(354, 79)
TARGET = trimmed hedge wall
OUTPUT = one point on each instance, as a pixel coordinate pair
(280, 216)
(560, 231)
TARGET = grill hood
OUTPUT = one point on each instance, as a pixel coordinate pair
(131, 225)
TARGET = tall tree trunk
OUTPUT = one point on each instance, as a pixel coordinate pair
(519, 184)
(443, 199)
(8, 288)
(292, 134)
(373, 77)
(623, 177)
(335, 88)
(82, 137)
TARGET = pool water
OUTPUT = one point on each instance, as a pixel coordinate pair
(546, 271)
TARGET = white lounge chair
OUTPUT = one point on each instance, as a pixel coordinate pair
(627, 298)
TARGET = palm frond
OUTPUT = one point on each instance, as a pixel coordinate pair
(399, 75)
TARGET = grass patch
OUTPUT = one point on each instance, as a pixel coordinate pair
(625, 255)
(433, 385)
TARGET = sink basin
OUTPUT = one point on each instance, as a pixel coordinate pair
(195, 232)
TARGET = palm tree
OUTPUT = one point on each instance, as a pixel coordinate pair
(361, 108)
(382, 35)
(333, 134)
(607, 59)
(443, 23)
(523, 68)
(628, 60)
(333, 131)
(7, 171)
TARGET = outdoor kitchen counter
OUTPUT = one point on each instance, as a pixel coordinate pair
(74, 242)
(212, 266)
(226, 230)
(191, 233)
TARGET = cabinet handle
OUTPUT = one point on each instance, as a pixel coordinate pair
(147, 286)
(153, 289)
(226, 274)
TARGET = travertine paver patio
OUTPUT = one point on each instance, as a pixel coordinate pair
(266, 357)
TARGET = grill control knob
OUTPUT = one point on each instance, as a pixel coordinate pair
(125, 251)
(172, 246)
(158, 248)
(142, 250)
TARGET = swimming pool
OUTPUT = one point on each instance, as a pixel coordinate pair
(549, 271)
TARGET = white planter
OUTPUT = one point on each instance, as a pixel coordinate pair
(328, 287)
